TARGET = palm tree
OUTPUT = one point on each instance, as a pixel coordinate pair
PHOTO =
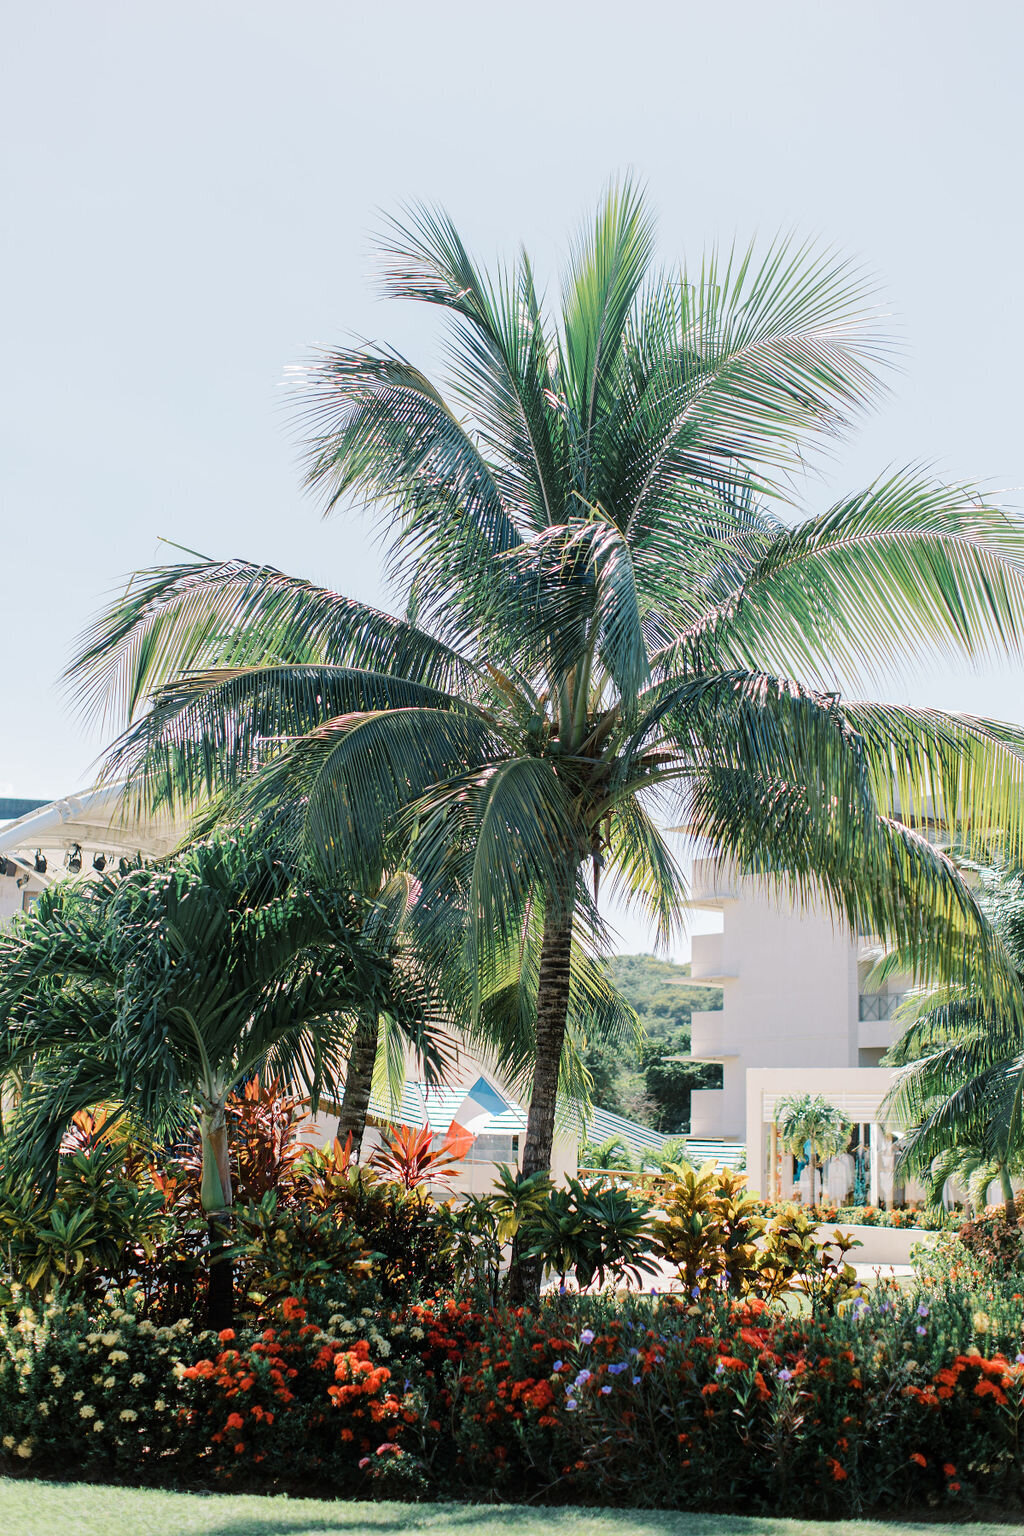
(809, 1123)
(606, 617)
(976, 1167)
(961, 1055)
(163, 991)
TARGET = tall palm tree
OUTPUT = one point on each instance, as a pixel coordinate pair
(809, 1123)
(163, 991)
(607, 614)
(961, 1055)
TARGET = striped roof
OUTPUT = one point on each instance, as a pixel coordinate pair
(436, 1108)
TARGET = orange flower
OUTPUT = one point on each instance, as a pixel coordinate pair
(835, 1470)
(235, 1421)
(948, 1469)
(226, 1335)
(921, 1460)
(240, 1447)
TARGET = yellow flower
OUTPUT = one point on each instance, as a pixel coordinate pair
(8, 1442)
(24, 1450)
(109, 1382)
(127, 1415)
(982, 1322)
(159, 1405)
(107, 1339)
(87, 1411)
(98, 1426)
(116, 1356)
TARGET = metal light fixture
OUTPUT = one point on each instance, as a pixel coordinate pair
(73, 859)
(40, 862)
(99, 862)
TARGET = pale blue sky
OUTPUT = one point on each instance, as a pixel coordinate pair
(188, 190)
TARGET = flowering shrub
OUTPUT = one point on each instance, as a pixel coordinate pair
(296, 1402)
(901, 1399)
(103, 1393)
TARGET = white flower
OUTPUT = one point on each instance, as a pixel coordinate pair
(416, 1333)
(127, 1415)
(87, 1411)
(146, 1326)
(8, 1442)
(106, 1339)
(109, 1382)
(44, 1409)
(98, 1426)
(116, 1356)
(382, 1347)
(92, 1338)
(159, 1405)
(137, 1379)
(58, 1375)
(78, 1397)
(24, 1450)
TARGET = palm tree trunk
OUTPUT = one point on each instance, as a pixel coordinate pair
(812, 1163)
(1009, 1203)
(358, 1082)
(552, 1013)
(216, 1198)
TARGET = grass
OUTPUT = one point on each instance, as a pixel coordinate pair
(31, 1508)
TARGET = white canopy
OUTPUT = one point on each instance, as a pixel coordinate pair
(98, 820)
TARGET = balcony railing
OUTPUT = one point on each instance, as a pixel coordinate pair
(879, 1007)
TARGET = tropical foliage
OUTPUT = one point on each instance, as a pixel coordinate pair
(962, 1058)
(607, 616)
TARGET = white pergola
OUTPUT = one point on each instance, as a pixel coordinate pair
(96, 821)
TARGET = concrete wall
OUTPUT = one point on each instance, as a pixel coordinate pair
(790, 994)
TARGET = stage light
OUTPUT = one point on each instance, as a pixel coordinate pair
(73, 859)
(40, 862)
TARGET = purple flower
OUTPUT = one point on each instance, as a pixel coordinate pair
(1020, 1359)
(587, 1336)
(637, 1380)
(616, 1370)
(921, 1331)
(583, 1376)
(570, 1404)
(785, 1375)
(922, 1310)
(605, 1391)
(557, 1366)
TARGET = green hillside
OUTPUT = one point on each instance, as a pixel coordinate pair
(647, 1085)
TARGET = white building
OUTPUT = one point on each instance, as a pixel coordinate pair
(798, 1015)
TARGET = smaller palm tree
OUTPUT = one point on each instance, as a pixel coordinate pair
(975, 1168)
(960, 1090)
(809, 1124)
(164, 991)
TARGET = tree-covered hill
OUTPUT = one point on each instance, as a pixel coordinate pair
(650, 1087)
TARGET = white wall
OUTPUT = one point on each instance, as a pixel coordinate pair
(790, 996)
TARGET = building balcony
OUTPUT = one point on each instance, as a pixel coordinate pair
(706, 963)
(713, 883)
(708, 1040)
(878, 1007)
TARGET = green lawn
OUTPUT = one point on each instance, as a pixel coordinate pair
(50, 1509)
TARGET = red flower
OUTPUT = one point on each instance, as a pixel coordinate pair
(921, 1460)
